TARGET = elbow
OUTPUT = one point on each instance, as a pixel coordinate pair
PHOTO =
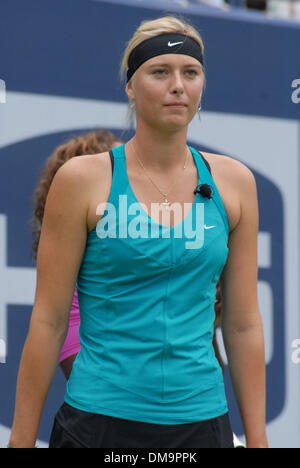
(56, 329)
(241, 322)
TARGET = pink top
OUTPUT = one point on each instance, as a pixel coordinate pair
(75, 312)
(72, 344)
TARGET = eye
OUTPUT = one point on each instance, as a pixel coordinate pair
(159, 72)
(192, 73)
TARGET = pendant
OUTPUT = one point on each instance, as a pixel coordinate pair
(166, 204)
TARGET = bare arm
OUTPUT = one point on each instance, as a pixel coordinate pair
(61, 247)
(241, 320)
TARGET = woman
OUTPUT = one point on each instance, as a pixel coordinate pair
(95, 142)
(147, 375)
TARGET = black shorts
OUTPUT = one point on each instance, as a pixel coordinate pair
(77, 429)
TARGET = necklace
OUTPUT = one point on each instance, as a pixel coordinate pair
(166, 204)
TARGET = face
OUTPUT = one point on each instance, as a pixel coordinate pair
(167, 91)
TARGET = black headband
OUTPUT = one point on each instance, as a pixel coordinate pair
(161, 45)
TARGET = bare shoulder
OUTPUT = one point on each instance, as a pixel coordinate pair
(235, 170)
(86, 166)
(86, 179)
(236, 184)
(231, 172)
(95, 174)
(86, 173)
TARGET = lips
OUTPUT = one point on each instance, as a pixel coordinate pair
(176, 104)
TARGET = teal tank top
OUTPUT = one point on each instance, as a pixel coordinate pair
(146, 295)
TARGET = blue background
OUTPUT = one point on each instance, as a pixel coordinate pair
(74, 48)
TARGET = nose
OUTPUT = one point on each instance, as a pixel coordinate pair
(177, 84)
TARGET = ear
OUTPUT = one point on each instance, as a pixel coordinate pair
(130, 90)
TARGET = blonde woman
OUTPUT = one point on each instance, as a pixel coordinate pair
(147, 247)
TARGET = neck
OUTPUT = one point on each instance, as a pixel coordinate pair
(160, 152)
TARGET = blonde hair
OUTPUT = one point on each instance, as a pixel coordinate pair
(163, 25)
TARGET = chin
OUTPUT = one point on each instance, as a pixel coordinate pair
(174, 121)
(175, 124)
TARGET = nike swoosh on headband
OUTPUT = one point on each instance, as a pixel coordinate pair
(172, 44)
